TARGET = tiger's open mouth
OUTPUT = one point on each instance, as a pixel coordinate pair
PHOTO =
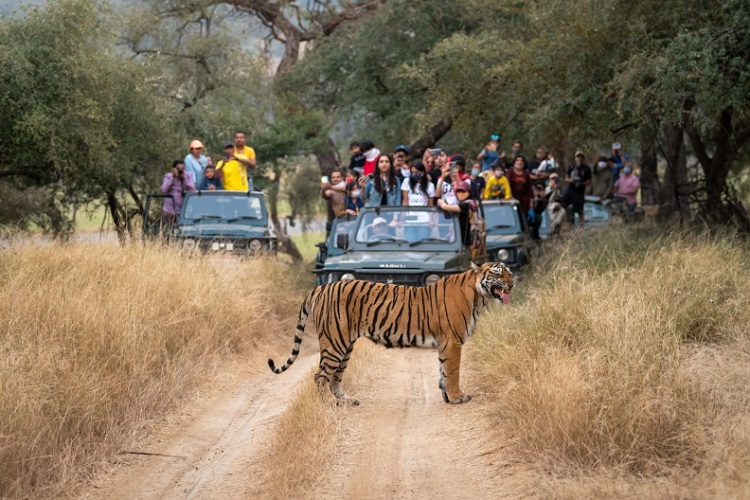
(500, 294)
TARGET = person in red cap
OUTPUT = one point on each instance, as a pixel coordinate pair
(464, 208)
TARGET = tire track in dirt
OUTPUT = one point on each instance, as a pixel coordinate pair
(217, 451)
(407, 443)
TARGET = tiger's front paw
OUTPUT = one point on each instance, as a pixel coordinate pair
(464, 398)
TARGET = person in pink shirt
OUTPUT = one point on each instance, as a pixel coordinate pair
(627, 187)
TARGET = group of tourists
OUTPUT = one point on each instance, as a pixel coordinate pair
(437, 178)
(197, 172)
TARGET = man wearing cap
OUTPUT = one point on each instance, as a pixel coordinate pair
(245, 155)
(233, 171)
(400, 157)
(379, 229)
(464, 208)
(196, 162)
(579, 176)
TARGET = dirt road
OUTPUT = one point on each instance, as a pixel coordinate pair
(403, 441)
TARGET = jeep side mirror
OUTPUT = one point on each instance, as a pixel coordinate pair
(342, 240)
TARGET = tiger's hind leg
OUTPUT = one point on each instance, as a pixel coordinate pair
(338, 377)
(331, 371)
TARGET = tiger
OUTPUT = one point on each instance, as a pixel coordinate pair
(442, 316)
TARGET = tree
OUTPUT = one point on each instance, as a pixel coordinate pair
(580, 74)
(81, 118)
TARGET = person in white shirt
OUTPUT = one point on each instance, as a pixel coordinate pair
(417, 191)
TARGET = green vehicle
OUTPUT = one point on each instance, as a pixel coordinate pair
(508, 238)
(230, 222)
(402, 245)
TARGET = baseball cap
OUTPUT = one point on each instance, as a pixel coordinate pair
(401, 147)
(580, 153)
(378, 221)
(617, 145)
(462, 186)
(457, 159)
(228, 145)
(436, 151)
(196, 144)
(495, 137)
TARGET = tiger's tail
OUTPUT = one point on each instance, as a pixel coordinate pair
(303, 314)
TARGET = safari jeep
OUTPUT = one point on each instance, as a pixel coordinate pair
(402, 245)
(214, 221)
(508, 238)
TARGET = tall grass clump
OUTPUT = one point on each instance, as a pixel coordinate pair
(309, 434)
(590, 368)
(95, 340)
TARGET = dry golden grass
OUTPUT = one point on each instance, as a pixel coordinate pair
(309, 433)
(95, 340)
(624, 368)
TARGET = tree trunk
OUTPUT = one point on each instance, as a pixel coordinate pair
(118, 215)
(430, 137)
(675, 189)
(328, 157)
(286, 245)
(650, 186)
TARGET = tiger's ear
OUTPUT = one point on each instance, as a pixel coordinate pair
(474, 266)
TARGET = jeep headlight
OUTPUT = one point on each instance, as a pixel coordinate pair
(255, 245)
(188, 243)
(347, 277)
(431, 279)
(503, 254)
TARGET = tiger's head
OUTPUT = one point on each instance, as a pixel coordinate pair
(494, 281)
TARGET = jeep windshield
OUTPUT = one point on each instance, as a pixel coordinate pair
(405, 228)
(502, 219)
(225, 207)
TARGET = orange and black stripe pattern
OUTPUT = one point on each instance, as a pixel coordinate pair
(441, 315)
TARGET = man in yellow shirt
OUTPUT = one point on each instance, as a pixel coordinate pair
(234, 171)
(245, 155)
(498, 187)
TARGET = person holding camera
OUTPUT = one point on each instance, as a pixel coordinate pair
(334, 191)
(176, 183)
(232, 171)
(578, 177)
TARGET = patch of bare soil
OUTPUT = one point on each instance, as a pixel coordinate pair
(402, 441)
(214, 448)
(407, 443)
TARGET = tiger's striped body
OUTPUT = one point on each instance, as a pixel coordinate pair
(442, 315)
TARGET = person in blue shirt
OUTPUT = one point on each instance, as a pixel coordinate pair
(210, 182)
(196, 162)
(489, 155)
(353, 201)
(619, 158)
